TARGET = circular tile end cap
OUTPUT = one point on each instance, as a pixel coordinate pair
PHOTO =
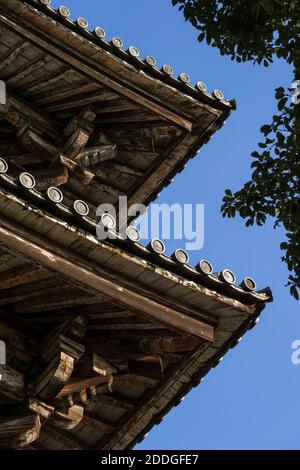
(157, 246)
(150, 60)
(27, 180)
(205, 267)
(3, 166)
(133, 234)
(249, 284)
(83, 23)
(117, 42)
(64, 11)
(218, 94)
(81, 208)
(201, 86)
(181, 256)
(134, 51)
(99, 32)
(55, 194)
(108, 221)
(228, 276)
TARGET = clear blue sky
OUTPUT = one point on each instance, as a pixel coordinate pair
(251, 400)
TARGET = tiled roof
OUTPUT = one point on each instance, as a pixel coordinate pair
(52, 201)
(131, 55)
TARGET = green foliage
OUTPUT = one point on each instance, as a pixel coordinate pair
(258, 31)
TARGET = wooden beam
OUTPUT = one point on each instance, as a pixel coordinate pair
(97, 423)
(101, 280)
(18, 112)
(37, 86)
(152, 407)
(82, 65)
(120, 403)
(28, 69)
(90, 365)
(150, 367)
(91, 99)
(64, 438)
(12, 54)
(16, 433)
(40, 408)
(22, 275)
(127, 327)
(50, 177)
(54, 377)
(77, 384)
(67, 419)
(148, 382)
(28, 291)
(65, 92)
(168, 345)
(12, 384)
(59, 298)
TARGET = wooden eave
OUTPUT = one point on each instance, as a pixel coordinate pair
(105, 274)
(159, 120)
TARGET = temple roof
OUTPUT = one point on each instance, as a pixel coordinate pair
(161, 323)
(103, 337)
(71, 77)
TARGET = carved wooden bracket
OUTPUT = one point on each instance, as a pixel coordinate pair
(59, 393)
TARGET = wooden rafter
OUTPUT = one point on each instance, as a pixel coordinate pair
(79, 269)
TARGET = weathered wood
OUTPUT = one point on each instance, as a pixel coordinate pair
(96, 155)
(28, 69)
(12, 384)
(110, 400)
(83, 66)
(148, 382)
(22, 275)
(54, 377)
(51, 177)
(40, 146)
(89, 365)
(168, 345)
(68, 419)
(87, 272)
(59, 342)
(97, 423)
(62, 299)
(84, 121)
(12, 54)
(40, 408)
(16, 433)
(65, 92)
(29, 291)
(14, 337)
(37, 86)
(77, 384)
(97, 97)
(150, 367)
(76, 142)
(150, 407)
(71, 442)
(20, 113)
(127, 326)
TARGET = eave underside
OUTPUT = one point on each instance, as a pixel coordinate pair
(149, 362)
(67, 98)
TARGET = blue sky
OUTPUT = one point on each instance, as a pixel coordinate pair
(251, 400)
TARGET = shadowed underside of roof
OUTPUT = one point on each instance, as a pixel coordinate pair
(103, 337)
